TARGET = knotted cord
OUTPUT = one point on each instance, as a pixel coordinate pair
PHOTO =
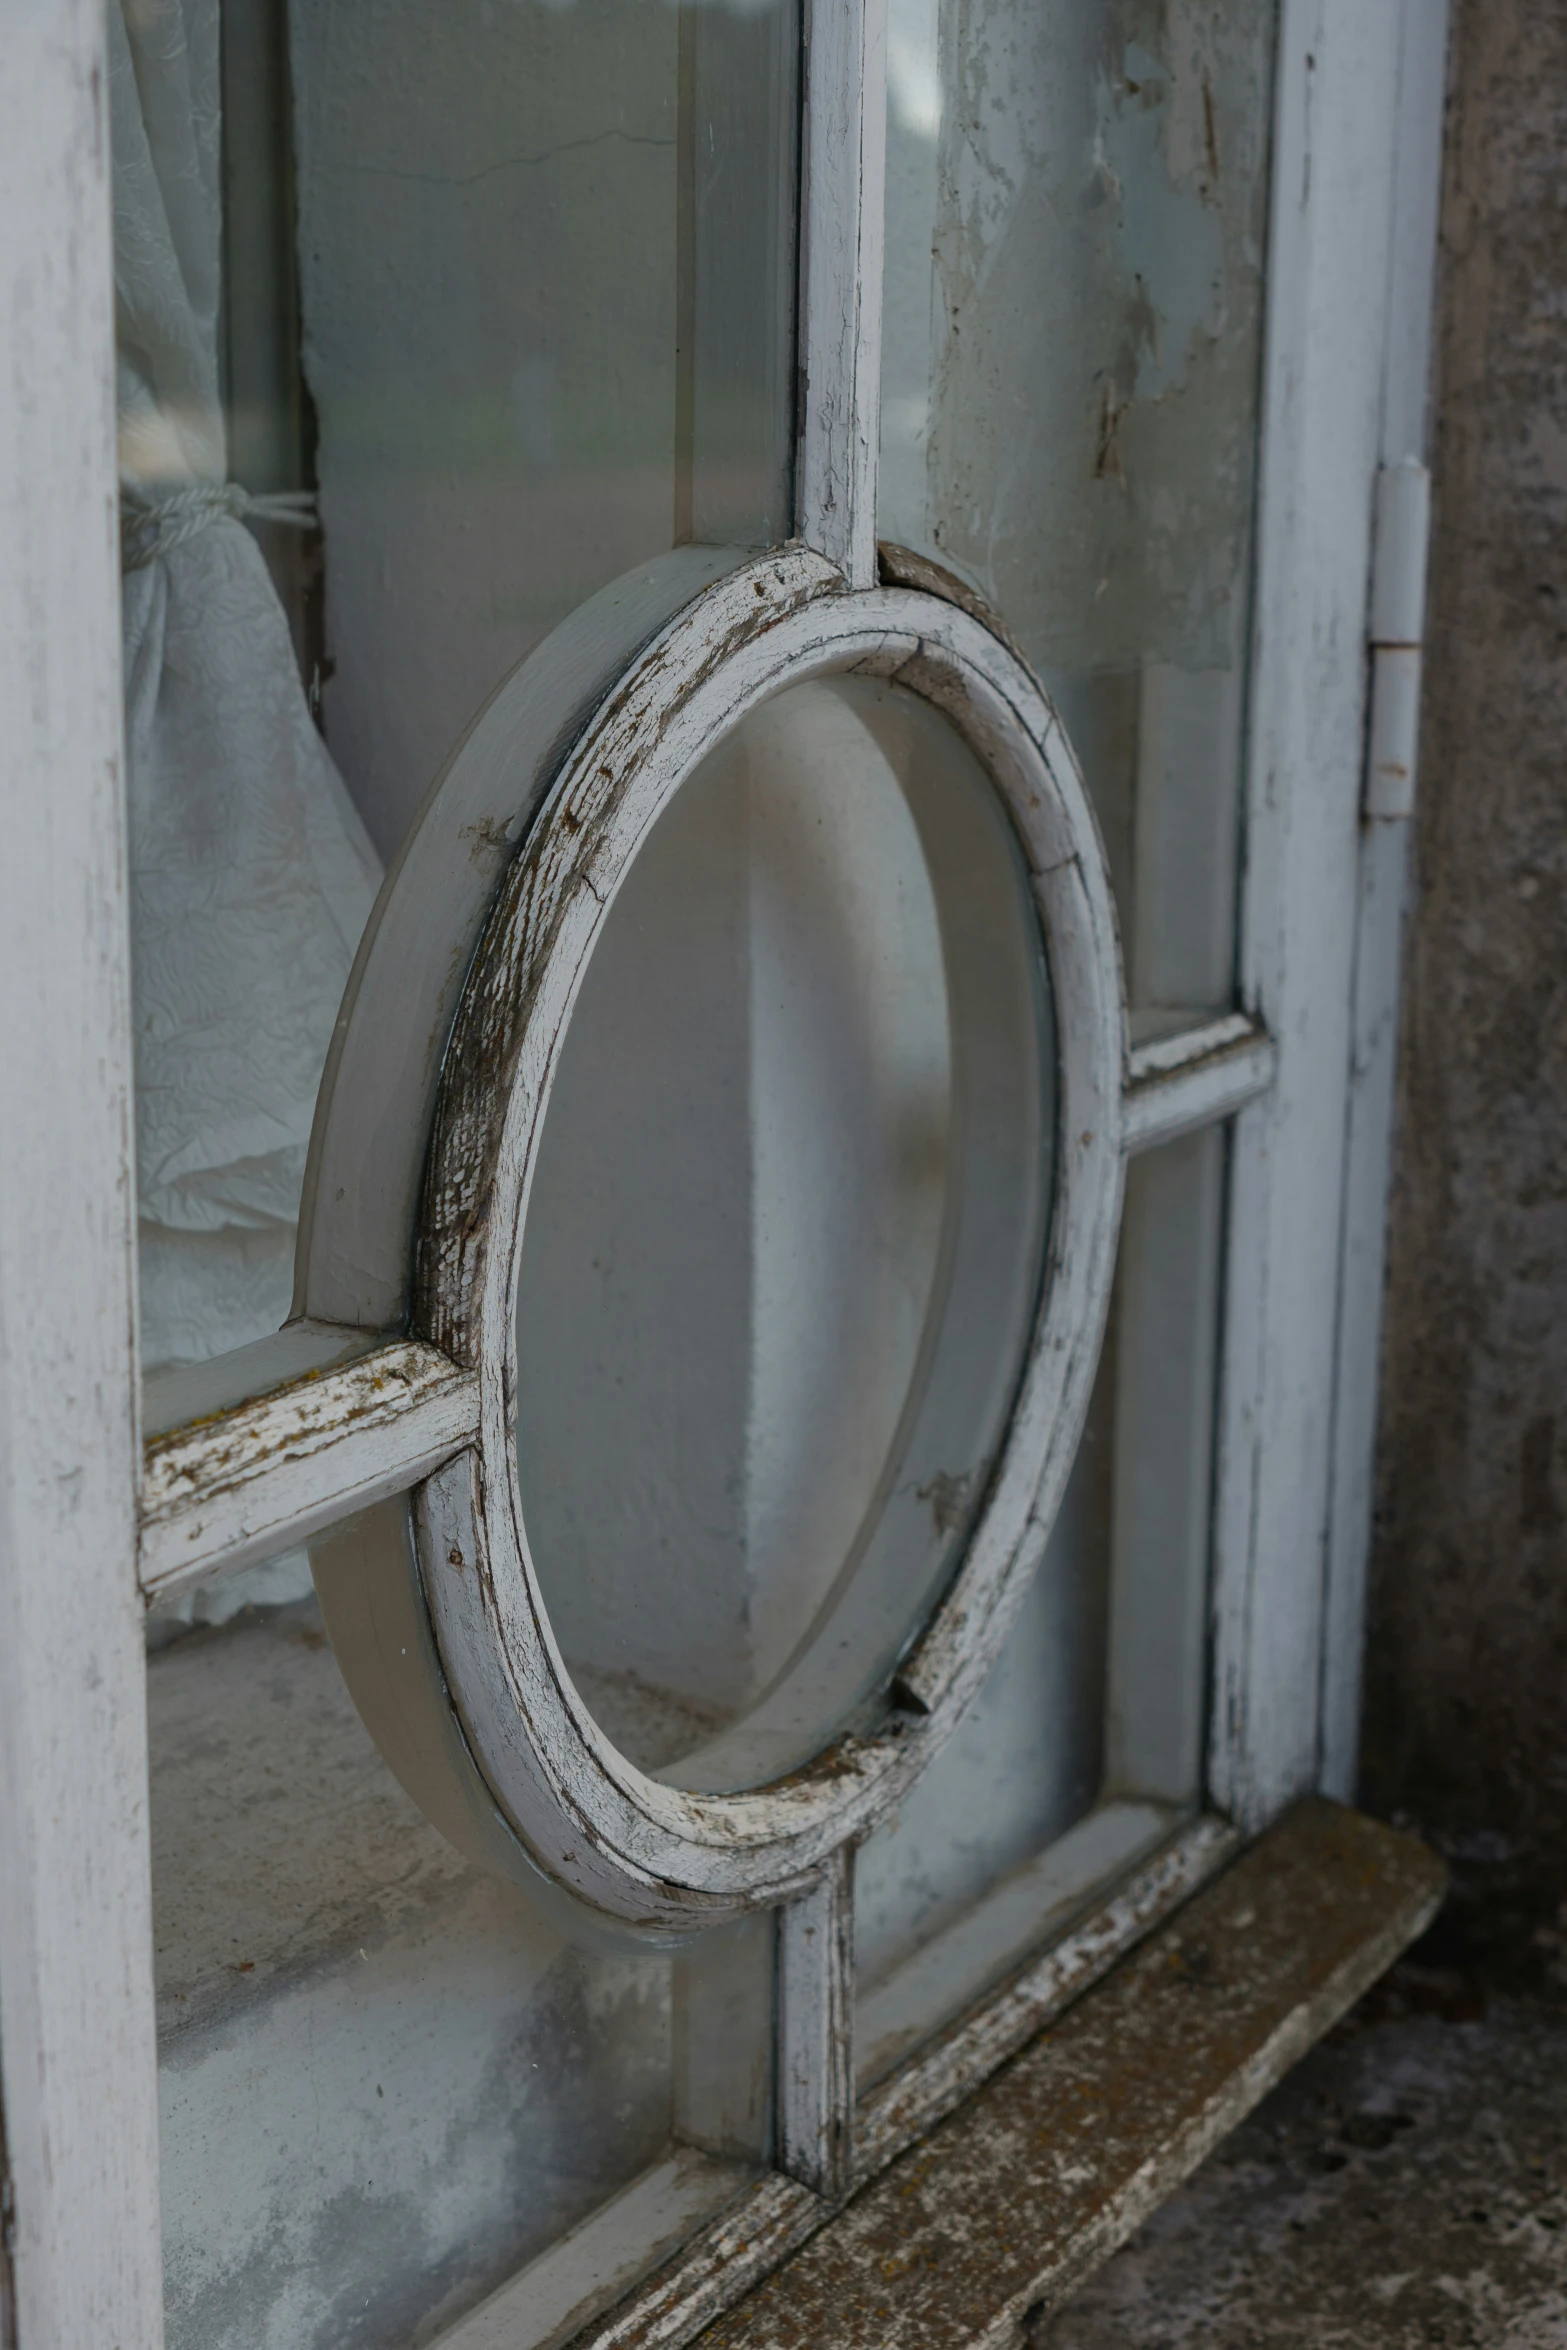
(150, 527)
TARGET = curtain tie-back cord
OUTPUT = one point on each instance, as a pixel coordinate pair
(150, 527)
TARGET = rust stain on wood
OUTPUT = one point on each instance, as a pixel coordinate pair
(1013, 2200)
(206, 1456)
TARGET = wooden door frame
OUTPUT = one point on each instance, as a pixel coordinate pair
(1358, 126)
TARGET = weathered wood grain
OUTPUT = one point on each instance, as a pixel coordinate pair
(77, 2054)
(245, 1482)
(367, 1147)
(284, 1464)
(1011, 2202)
(779, 2215)
(647, 1850)
(550, 2301)
(960, 2058)
(815, 2031)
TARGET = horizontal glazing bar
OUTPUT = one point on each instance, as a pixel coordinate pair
(175, 1399)
(1195, 1077)
(549, 2301)
(244, 1483)
(294, 1451)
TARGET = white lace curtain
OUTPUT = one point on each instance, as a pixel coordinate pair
(251, 873)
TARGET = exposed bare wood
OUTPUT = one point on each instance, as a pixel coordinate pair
(1237, 1986)
(969, 2050)
(246, 1482)
(177, 1397)
(904, 567)
(1196, 1077)
(77, 2056)
(1014, 2199)
(843, 147)
(815, 2031)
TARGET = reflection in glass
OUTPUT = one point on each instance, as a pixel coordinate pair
(388, 2077)
(547, 283)
(784, 1239)
(1028, 1759)
(1076, 199)
(429, 325)
(1086, 1744)
(251, 872)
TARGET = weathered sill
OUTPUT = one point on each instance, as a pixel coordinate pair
(1006, 2207)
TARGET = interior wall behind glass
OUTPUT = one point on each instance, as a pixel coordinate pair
(388, 2076)
(1028, 1759)
(547, 284)
(1099, 1695)
(1076, 218)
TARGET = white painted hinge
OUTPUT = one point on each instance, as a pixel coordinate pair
(1398, 603)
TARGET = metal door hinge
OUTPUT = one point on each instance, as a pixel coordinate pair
(1398, 599)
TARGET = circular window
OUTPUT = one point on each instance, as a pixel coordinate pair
(783, 1242)
(771, 1194)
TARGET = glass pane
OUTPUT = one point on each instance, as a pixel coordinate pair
(389, 2078)
(483, 307)
(1086, 1744)
(1076, 208)
(546, 278)
(1027, 1762)
(784, 1240)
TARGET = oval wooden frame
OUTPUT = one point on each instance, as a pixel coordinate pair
(646, 1852)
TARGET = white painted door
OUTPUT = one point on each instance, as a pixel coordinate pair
(826, 1210)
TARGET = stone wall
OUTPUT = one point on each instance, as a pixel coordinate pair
(1466, 1697)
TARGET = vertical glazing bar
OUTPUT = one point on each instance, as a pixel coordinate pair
(815, 2022)
(77, 2053)
(685, 271)
(842, 193)
(1331, 235)
(841, 241)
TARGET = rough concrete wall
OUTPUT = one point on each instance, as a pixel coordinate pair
(1466, 1714)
